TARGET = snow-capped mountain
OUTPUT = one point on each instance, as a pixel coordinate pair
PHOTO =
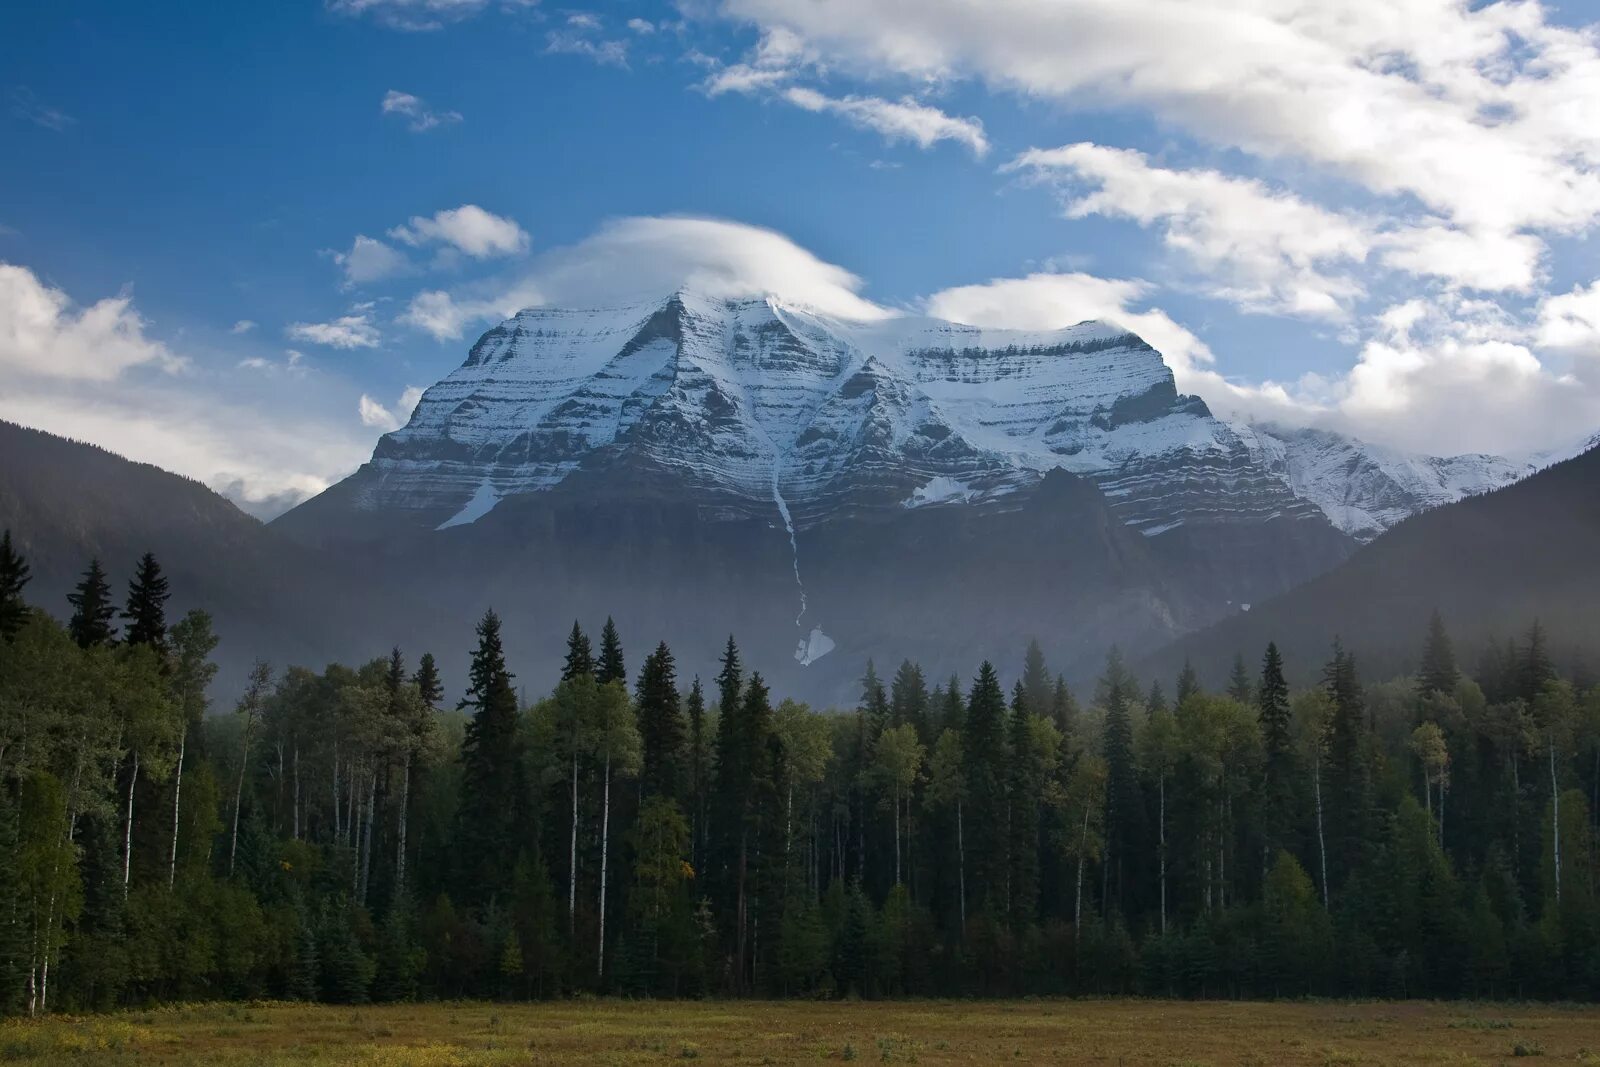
(1365, 488)
(765, 408)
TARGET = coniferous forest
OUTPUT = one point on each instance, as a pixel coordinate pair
(346, 835)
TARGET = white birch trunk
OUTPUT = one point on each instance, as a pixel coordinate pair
(572, 854)
(127, 829)
(605, 842)
(177, 794)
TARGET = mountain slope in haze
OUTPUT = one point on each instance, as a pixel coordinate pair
(1491, 564)
(66, 502)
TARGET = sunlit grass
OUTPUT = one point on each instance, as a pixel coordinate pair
(1193, 1034)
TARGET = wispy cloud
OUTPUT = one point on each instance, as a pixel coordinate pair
(356, 330)
(895, 120)
(28, 107)
(419, 115)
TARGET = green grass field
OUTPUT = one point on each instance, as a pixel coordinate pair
(932, 1032)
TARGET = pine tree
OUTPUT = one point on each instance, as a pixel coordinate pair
(1063, 708)
(580, 659)
(1439, 672)
(13, 576)
(984, 745)
(660, 726)
(610, 668)
(146, 613)
(489, 820)
(397, 671)
(1348, 772)
(1188, 683)
(1024, 788)
(874, 701)
(427, 682)
(1239, 687)
(92, 610)
(1156, 703)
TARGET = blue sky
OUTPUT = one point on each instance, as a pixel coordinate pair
(176, 171)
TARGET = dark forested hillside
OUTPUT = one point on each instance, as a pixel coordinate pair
(1490, 564)
(66, 503)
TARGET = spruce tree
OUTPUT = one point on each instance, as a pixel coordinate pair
(92, 610)
(1188, 683)
(1348, 772)
(1156, 703)
(1024, 790)
(953, 714)
(13, 576)
(580, 658)
(660, 726)
(427, 682)
(1125, 822)
(491, 789)
(1239, 687)
(1439, 672)
(1274, 703)
(146, 613)
(610, 668)
(699, 772)
(908, 698)
(1036, 682)
(1063, 708)
(874, 701)
(396, 677)
(984, 742)
(1534, 668)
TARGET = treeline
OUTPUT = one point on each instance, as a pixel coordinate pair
(343, 836)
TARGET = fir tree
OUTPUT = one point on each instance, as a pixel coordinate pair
(1274, 706)
(491, 788)
(1024, 790)
(146, 613)
(610, 668)
(396, 678)
(699, 773)
(13, 576)
(953, 713)
(1063, 708)
(427, 682)
(1239, 687)
(908, 698)
(1438, 673)
(874, 701)
(660, 726)
(1348, 772)
(1156, 703)
(1188, 683)
(580, 658)
(92, 610)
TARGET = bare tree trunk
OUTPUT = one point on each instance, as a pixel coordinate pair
(1322, 841)
(127, 827)
(1162, 819)
(961, 852)
(238, 798)
(605, 843)
(897, 833)
(572, 855)
(366, 834)
(177, 794)
(405, 805)
(1555, 815)
(297, 789)
(1077, 904)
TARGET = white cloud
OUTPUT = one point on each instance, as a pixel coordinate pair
(242, 326)
(1485, 113)
(895, 120)
(777, 57)
(43, 334)
(1262, 249)
(1485, 260)
(417, 15)
(370, 260)
(1048, 301)
(382, 417)
(648, 257)
(576, 41)
(469, 228)
(418, 115)
(1570, 322)
(348, 331)
(643, 27)
(76, 373)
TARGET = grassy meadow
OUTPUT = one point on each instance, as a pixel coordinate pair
(1120, 1032)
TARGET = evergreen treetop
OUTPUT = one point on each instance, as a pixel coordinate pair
(147, 605)
(92, 610)
(13, 576)
(580, 657)
(610, 668)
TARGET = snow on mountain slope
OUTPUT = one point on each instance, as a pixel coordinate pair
(1364, 488)
(763, 405)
